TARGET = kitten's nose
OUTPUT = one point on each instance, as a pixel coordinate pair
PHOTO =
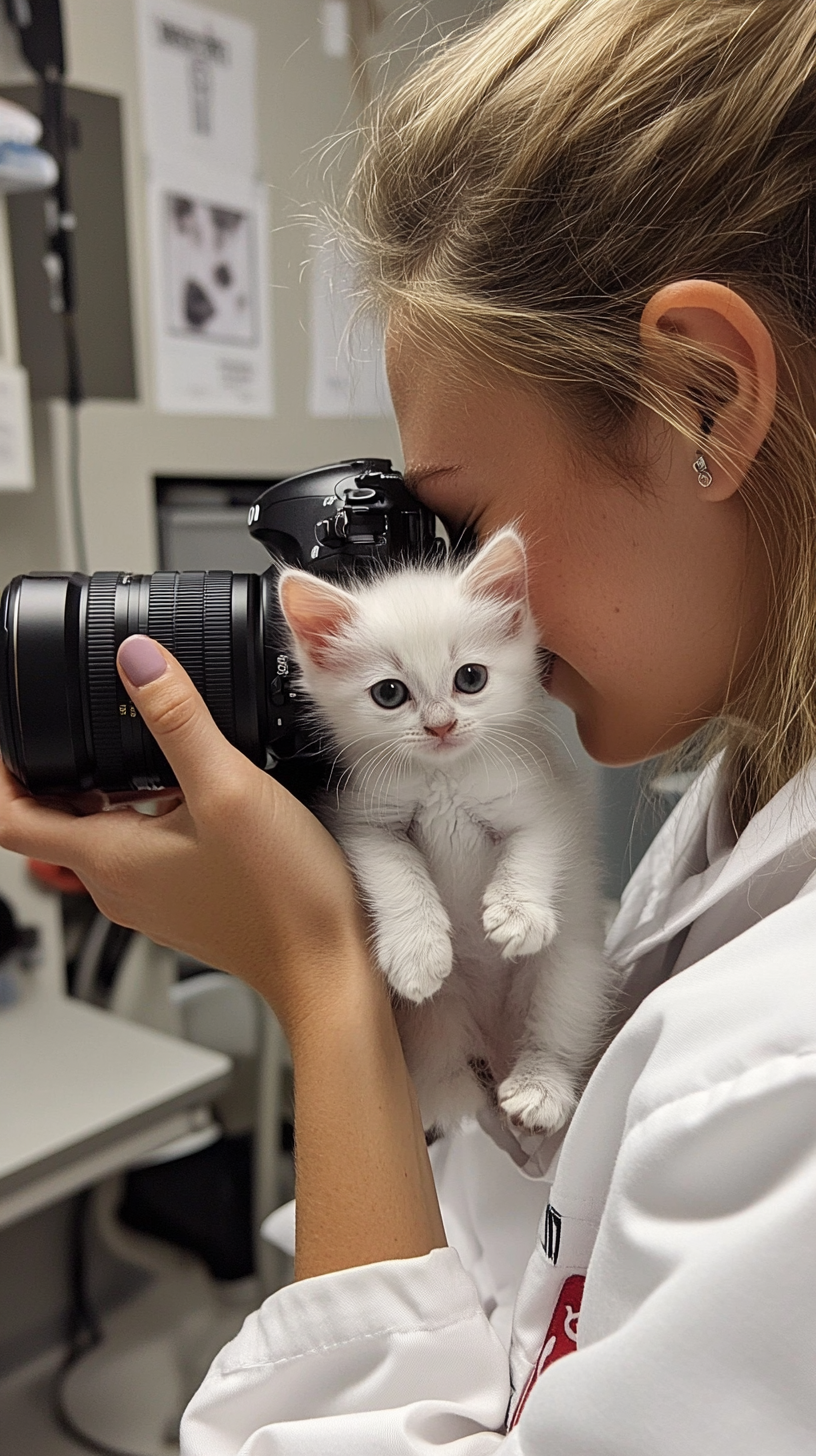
(441, 730)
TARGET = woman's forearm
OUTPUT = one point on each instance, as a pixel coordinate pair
(364, 1186)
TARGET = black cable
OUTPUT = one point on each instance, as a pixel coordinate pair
(62, 246)
(41, 40)
(74, 477)
(40, 31)
(74, 392)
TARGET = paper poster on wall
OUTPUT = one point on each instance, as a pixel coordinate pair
(211, 284)
(209, 264)
(208, 218)
(198, 85)
(16, 462)
(347, 377)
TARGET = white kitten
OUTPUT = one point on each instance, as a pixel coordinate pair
(468, 831)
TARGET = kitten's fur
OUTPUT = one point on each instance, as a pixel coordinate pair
(474, 851)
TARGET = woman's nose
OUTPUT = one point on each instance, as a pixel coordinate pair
(441, 730)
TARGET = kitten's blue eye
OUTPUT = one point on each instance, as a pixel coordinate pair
(389, 693)
(471, 678)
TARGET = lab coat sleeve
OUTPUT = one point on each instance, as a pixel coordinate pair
(698, 1326)
(396, 1357)
(696, 1333)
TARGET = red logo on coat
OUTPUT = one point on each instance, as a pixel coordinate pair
(561, 1337)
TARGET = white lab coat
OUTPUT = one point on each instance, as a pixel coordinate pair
(681, 1219)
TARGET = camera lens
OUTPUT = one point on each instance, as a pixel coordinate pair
(66, 721)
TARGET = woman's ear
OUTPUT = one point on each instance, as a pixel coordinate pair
(317, 613)
(730, 423)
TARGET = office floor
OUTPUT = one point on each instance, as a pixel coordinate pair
(130, 1390)
(26, 1425)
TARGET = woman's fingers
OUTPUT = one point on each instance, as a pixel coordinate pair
(177, 716)
(58, 836)
(238, 873)
(10, 788)
(42, 832)
(210, 772)
(33, 829)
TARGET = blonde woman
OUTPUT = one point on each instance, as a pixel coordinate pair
(588, 224)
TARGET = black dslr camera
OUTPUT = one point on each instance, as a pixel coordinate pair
(67, 726)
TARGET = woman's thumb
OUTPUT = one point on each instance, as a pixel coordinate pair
(173, 711)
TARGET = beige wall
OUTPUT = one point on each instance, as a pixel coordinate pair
(303, 98)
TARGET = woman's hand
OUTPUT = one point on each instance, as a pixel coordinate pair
(242, 876)
(238, 873)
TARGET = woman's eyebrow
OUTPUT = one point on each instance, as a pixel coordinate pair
(417, 476)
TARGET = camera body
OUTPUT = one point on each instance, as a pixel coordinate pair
(67, 725)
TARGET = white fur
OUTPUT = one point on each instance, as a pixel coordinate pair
(476, 859)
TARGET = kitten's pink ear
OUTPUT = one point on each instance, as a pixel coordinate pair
(317, 613)
(499, 570)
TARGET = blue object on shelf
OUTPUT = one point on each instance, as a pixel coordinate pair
(18, 124)
(26, 169)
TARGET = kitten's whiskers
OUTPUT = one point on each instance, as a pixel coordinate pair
(542, 722)
(521, 748)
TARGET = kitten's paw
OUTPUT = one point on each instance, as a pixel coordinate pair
(538, 1098)
(519, 927)
(416, 963)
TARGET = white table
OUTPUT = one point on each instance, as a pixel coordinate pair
(83, 1093)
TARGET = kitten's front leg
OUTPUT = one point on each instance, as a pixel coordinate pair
(565, 1026)
(412, 929)
(518, 906)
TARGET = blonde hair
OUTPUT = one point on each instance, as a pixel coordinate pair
(525, 192)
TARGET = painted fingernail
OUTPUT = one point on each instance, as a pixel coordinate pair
(141, 661)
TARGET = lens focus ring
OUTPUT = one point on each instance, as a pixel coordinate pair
(103, 681)
(161, 611)
(189, 628)
(190, 614)
(203, 618)
(220, 692)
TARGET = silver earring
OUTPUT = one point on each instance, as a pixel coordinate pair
(703, 474)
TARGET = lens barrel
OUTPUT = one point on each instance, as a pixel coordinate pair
(67, 726)
(66, 721)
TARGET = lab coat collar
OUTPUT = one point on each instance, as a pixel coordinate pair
(677, 881)
(692, 864)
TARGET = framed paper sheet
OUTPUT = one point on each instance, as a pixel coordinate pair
(198, 85)
(347, 377)
(208, 215)
(208, 246)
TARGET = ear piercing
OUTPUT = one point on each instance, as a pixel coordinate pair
(704, 476)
